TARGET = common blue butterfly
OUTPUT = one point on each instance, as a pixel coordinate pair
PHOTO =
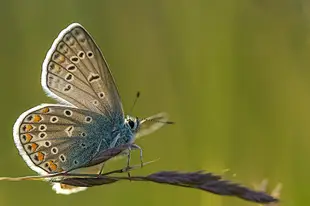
(89, 118)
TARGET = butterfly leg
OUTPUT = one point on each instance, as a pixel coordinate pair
(134, 146)
(128, 161)
(101, 169)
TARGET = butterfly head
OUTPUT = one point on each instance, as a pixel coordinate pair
(133, 123)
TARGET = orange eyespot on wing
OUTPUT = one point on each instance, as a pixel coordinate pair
(34, 147)
(40, 156)
(27, 128)
(26, 137)
(31, 148)
(45, 110)
(52, 166)
(37, 157)
(36, 118)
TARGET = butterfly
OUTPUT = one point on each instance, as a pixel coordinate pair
(89, 117)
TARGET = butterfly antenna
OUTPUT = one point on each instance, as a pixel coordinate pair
(134, 103)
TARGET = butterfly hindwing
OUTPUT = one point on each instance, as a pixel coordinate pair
(76, 72)
(55, 138)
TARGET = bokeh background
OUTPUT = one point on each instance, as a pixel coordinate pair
(233, 75)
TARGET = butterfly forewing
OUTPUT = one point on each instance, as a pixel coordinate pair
(76, 72)
(54, 138)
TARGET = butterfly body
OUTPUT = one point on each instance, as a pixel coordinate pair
(89, 118)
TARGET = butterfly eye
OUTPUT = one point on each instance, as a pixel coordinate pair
(131, 124)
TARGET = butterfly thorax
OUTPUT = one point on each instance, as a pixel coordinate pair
(113, 134)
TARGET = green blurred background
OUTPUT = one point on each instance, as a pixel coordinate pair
(234, 75)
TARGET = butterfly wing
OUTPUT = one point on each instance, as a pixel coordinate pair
(151, 124)
(55, 138)
(75, 72)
